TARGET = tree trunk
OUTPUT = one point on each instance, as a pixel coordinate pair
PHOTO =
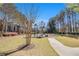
(28, 32)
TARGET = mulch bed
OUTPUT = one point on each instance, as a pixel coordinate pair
(10, 33)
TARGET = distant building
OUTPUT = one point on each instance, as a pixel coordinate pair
(11, 26)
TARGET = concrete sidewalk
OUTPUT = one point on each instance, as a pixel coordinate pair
(63, 50)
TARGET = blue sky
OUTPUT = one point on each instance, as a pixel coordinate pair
(45, 10)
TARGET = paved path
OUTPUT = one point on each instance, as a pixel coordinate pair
(63, 50)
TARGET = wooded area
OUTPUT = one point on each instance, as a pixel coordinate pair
(67, 21)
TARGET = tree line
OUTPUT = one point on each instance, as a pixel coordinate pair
(9, 12)
(67, 21)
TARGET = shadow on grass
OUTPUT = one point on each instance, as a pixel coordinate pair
(12, 51)
(24, 47)
(31, 46)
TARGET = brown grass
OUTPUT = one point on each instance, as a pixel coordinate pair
(38, 47)
(68, 41)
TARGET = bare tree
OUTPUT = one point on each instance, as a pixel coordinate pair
(42, 27)
(32, 15)
(1, 27)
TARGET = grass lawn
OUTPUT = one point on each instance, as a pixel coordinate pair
(42, 47)
(68, 41)
(10, 43)
(38, 47)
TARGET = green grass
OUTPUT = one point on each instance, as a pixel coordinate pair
(68, 41)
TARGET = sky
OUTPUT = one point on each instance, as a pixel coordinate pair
(45, 10)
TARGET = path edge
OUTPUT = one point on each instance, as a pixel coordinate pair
(59, 53)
